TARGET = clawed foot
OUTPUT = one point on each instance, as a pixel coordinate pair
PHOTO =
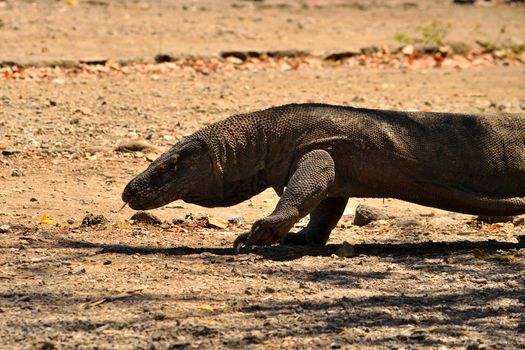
(266, 231)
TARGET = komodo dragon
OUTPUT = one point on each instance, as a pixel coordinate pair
(315, 156)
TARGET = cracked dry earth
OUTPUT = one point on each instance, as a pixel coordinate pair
(424, 278)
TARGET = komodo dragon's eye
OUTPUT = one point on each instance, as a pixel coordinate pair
(173, 163)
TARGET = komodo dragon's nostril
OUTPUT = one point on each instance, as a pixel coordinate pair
(127, 194)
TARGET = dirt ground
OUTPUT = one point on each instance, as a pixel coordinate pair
(424, 278)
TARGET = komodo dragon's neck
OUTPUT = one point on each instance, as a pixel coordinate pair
(251, 153)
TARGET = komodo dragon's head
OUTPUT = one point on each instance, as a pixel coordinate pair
(184, 172)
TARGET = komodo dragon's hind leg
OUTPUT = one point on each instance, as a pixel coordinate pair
(322, 221)
(306, 188)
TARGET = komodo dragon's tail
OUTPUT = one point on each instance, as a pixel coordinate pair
(466, 201)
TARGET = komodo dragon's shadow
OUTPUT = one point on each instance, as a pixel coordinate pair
(281, 252)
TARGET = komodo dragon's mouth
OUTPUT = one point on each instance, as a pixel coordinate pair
(145, 200)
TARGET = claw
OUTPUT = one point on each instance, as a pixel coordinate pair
(251, 236)
(240, 241)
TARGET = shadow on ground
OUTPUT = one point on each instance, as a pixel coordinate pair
(281, 252)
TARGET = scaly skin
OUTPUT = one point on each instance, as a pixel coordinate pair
(325, 154)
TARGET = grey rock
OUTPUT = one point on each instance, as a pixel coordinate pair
(346, 251)
(135, 146)
(9, 151)
(365, 214)
(93, 220)
(236, 220)
(78, 270)
(146, 218)
(407, 223)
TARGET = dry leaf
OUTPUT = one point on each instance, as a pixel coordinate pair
(493, 227)
(479, 254)
(506, 258)
(217, 223)
(46, 220)
(206, 307)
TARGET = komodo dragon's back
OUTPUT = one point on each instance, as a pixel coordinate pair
(480, 153)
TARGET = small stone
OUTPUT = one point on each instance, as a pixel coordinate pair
(33, 199)
(407, 223)
(9, 152)
(369, 50)
(233, 60)
(45, 346)
(107, 262)
(83, 110)
(346, 251)
(146, 218)
(365, 214)
(236, 220)
(78, 270)
(159, 316)
(177, 221)
(269, 290)
(70, 221)
(17, 173)
(408, 50)
(135, 146)
(5, 228)
(93, 220)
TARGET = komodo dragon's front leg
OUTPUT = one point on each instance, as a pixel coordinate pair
(306, 188)
(322, 221)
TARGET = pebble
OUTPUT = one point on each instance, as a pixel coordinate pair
(408, 50)
(78, 270)
(234, 60)
(146, 218)
(93, 220)
(135, 146)
(5, 228)
(346, 251)
(17, 173)
(407, 223)
(45, 346)
(365, 214)
(236, 220)
(9, 151)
